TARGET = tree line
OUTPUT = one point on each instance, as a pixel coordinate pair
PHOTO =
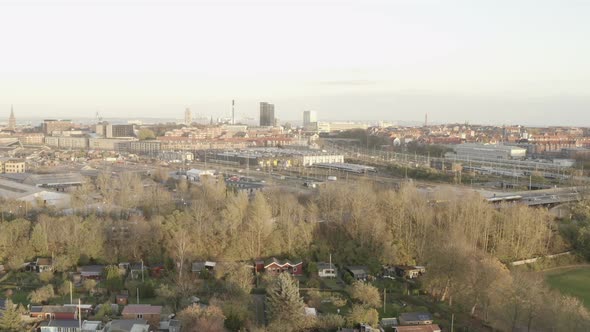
(464, 241)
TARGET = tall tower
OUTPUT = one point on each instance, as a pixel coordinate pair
(426, 120)
(267, 114)
(233, 112)
(11, 120)
(309, 117)
(188, 117)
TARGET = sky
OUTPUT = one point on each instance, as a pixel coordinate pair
(476, 61)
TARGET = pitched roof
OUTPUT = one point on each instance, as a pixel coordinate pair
(43, 261)
(418, 328)
(91, 269)
(415, 316)
(125, 324)
(53, 309)
(323, 266)
(146, 309)
(283, 263)
(66, 323)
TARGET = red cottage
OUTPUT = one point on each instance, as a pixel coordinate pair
(276, 266)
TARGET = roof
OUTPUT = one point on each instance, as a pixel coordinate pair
(283, 263)
(54, 179)
(91, 269)
(418, 328)
(53, 309)
(122, 325)
(199, 266)
(415, 316)
(357, 269)
(91, 325)
(43, 261)
(146, 309)
(323, 266)
(61, 323)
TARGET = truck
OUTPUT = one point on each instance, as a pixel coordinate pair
(332, 178)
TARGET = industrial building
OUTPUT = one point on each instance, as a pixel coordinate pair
(476, 151)
(31, 194)
(275, 157)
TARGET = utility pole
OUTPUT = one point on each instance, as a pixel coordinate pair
(71, 299)
(137, 295)
(142, 280)
(452, 322)
(384, 297)
(80, 314)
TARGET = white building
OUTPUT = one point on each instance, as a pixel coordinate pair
(326, 270)
(487, 151)
(195, 174)
(309, 117)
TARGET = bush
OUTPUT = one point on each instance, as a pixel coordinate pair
(42, 294)
(46, 276)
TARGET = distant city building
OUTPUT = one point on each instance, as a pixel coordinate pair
(145, 147)
(487, 151)
(51, 125)
(342, 126)
(309, 117)
(8, 165)
(267, 114)
(188, 117)
(11, 120)
(31, 138)
(108, 130)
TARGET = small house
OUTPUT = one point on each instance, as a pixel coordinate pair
(59, 325)
(54, 312)
(358, 272)
(128, 325)
(199, 267)
(275, 266)
(136, 269)
(388, 322)
(85, 309)
(409, 272)
(44, 264)
(415, 318)
(326, 270)
(62, 325)
(157, 270)
(417, 328)
(122, 299)
(151, 313)
(94, 272)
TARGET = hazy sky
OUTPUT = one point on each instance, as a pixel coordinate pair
(513, 61)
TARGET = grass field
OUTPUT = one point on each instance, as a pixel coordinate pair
(572, 281)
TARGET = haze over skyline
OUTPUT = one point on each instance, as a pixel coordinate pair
(498, 62)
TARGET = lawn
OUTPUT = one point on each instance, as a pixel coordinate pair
(574, 281)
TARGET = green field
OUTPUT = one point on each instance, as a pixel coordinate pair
(574, 281)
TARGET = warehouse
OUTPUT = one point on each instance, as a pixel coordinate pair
(487, 152)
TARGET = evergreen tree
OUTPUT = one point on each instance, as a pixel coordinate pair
(10, 318)
(285, 305)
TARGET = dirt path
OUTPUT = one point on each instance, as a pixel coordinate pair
(565, 267)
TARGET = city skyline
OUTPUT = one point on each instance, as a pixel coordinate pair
(458, 61)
